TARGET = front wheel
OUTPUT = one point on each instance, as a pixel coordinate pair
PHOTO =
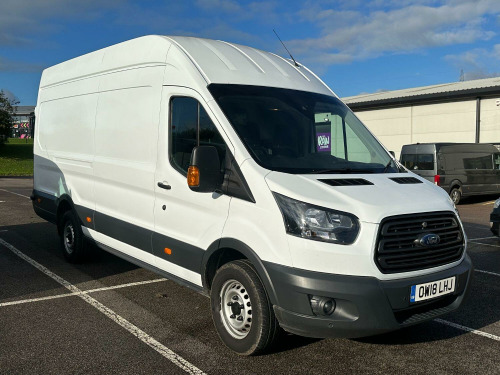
(241, 311)
(456, 195)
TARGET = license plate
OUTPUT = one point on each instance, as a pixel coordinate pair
(422, 292)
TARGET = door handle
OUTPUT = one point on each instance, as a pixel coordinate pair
(164, 186)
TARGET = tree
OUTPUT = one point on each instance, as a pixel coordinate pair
(7, 110)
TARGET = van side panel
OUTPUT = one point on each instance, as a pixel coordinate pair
(472, 167)
(64, 144)
(67, 108)
(126, 134)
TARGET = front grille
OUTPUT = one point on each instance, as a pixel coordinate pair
(398, 247)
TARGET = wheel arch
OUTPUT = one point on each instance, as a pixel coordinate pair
(454, 184)
(226, 250)
(64, 203)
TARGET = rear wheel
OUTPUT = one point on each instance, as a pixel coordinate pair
(241, 311)
(456, 195)
(72, 241)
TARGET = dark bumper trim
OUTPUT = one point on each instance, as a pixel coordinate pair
(365, 305)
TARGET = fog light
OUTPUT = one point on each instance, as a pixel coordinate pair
(323, 305)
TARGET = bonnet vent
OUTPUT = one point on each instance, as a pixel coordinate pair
(406, 180)
(346, 182)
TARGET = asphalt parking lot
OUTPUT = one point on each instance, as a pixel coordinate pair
(109, 316)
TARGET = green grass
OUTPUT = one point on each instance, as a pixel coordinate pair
(16, 157)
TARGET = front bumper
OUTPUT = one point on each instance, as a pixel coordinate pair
(365, 305)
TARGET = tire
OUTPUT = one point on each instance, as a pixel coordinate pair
(248, 326)
(456, 195)
(72, 240)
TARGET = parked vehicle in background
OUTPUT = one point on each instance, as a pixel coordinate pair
(462, 169)
(244, 177)
(495, 218)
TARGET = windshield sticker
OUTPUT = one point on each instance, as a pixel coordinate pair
(324, 142)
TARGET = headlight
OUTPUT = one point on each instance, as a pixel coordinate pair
(317, 223)
(497, 203)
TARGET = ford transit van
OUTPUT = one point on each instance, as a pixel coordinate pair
(243, 176)
(461, 169)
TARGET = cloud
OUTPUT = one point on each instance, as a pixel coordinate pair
(229, 20)
(10, 96)
(263, 11)
(477, 63)
(371, 31)
(20, 19)
(345, 30)
(226, 6)
(7, 65)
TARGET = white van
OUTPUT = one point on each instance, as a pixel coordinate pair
(241, 175)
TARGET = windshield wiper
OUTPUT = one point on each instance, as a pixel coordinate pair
(387, 166)
(399, 169)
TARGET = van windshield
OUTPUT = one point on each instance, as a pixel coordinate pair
(301, 132)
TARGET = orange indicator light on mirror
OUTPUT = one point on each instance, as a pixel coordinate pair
(193, 176)
(89, 220)
(168, 251)
(39, 200)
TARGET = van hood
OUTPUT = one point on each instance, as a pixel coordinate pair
(371, 197)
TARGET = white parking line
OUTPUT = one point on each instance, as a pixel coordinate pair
(485, 244)
(137, 332)
(487, 203)
(29, 300)
(488, 272)
(482, 238)
(8, 191)
(467, 329)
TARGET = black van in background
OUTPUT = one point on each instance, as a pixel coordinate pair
(462, 169)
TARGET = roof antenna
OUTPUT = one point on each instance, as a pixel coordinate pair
(295, 62)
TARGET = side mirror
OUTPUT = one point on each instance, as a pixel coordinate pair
(204, 174)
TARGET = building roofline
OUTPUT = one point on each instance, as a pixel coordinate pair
(440, 93)
(430, 98)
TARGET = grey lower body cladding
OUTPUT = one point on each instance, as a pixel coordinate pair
(365, 306)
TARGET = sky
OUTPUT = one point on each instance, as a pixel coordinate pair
(355, 46)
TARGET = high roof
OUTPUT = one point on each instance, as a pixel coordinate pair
(223, 62)
(463, 90)
(213, 61)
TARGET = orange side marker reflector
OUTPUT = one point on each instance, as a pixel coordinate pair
(89, 220)
(39, 200)
(168, 251)
(193, 176)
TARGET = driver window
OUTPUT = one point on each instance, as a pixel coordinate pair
(190, 126)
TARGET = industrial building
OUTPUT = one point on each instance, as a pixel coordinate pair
(467, 111)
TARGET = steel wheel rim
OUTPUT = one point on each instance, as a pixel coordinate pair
(235, 309)
(69, 238)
